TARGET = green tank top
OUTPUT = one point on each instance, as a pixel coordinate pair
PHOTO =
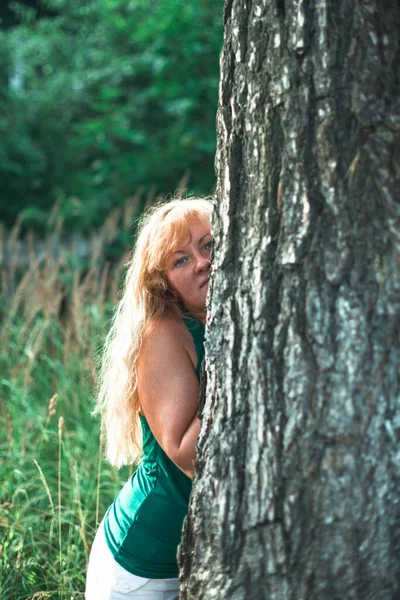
(144, 523)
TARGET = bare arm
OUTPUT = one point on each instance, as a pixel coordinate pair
(168, 390)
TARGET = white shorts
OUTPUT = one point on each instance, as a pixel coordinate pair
(107, 580)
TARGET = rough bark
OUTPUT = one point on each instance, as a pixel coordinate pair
(296, 494)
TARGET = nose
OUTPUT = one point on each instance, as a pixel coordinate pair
(202, 263)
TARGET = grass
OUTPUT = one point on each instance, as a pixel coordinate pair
(54, 485)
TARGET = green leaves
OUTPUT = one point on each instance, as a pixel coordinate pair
(105, 96)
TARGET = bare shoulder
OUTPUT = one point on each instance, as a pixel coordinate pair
(168, 388)
(164, 326)
(166, 378)
(167, 332)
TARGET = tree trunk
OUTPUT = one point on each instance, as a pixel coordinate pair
(296, 494)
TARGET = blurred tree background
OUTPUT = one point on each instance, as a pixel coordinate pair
(104, 104)
(100, 97)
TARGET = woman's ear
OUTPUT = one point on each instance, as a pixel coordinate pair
(167, 288)
(172, 291)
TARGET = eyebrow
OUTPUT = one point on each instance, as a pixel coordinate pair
(199, 242)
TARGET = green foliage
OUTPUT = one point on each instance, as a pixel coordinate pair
(50, 495)
(105, 96)
(45, 537)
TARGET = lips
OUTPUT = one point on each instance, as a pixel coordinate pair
(204, 283)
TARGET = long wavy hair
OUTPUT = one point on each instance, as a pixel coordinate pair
(145, 297)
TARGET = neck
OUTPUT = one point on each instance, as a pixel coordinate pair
(200, 315)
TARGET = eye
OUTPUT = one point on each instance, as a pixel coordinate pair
(181, 261)
(208, 246)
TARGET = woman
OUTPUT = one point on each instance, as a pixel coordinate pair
(148, 399)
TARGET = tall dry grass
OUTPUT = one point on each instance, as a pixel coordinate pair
(54, 486)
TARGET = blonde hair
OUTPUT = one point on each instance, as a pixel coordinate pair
(145, 298)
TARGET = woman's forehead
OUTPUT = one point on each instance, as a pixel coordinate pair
(193, 227)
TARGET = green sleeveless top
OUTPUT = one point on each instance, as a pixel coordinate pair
(143, 525)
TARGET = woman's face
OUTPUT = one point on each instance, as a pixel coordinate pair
(189, 265)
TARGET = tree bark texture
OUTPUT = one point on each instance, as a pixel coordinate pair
(296, 494)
